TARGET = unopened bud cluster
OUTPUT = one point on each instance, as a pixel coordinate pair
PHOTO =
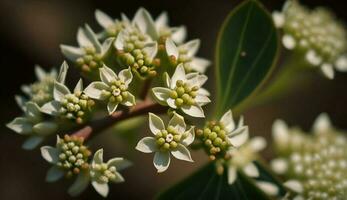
(103, 173)
(115, 28)
(134, 54)
(118, 92)
(76, 106)
(42, 92)
(91, 61)
(74, 155)
(169, 139)
(183, 94)
(214, 139)
(316, 30)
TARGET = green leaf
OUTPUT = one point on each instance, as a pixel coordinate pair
(207, 184)
(247, 48)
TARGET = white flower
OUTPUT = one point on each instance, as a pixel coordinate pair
(32, 124)
(185, 54)
(112, 88)
(314, 169)
(74, 106)
(173, 139)
(242, 159)
(183, 92)
(316, 33)
(88, 56)
(219, 137)
(102, 173)
(111, 26)
(41, 91)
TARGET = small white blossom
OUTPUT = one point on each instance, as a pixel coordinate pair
(316, 33)
(183, 92)
(88, 56)
(32, 124)
(111, 26)
(185, 54)
(102, 173)
(172, 139)
(73, 106)
(112, 88)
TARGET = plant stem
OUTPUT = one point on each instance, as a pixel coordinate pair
(145, 88)
(101, 124)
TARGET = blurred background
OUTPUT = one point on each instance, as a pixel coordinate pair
(31, 32)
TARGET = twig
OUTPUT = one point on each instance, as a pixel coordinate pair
(101, 124)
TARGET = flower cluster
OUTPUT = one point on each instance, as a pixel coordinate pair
(314, 165)
(71, 157)
(315, 33)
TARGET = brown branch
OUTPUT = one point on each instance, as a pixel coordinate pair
(101, 124)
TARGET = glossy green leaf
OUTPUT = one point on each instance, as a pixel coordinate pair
(246, 51)
(206, 184)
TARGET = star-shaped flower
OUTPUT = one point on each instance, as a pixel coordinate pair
(32, 124)
(185, 54)
(112, 88)
(183, 92)
(173, 139)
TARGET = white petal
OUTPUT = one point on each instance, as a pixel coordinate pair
(268, 188)
(192, 47)
(171, 48)
(251, 170)
(171, 103)
(21, 101)
(82, 38)
(294, 185)
(327, 70)
(280, 132)
(51, 108)
(111, 107)
(79, 86)
(167, 79)
(179, 74)
(40, 73)
(72, 53)
(193, 110)
(60, 91)
(341, 63)
(119, 163)
(179, 34)
(94, 90)
(278, 18)
(162, 20)
(288, 42)
(155, 123)
(232, 174)
(146, 23)
(62, 72)
(190, 137)
(161, 161)
(203, 91)
(279, 166)
(129, 100)
(54, 174)
(322, 124)
(202, 99)
(177, 121)
(313, 58)
(32, 111)
(107, 75)
(147, 145)
(32, 142)
(151, 49)
(182, 153)
(26, 89)
(119, 178)
(124, 18)
(126, 76)
(92, 38)
(106, 45)
(239, 136)
(20, 125)
(81, 183)
(200, 64)
(257, 143)
(50, 154)
(119, 42)
(228, 121)
(45, 128)
(98, 157)
(161, 94)
(101, 188)
(103, 19)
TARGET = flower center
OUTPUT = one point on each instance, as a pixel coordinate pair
(103, 173)
(184, 94)
(91, 61)
(169, 139)
(118, 91)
